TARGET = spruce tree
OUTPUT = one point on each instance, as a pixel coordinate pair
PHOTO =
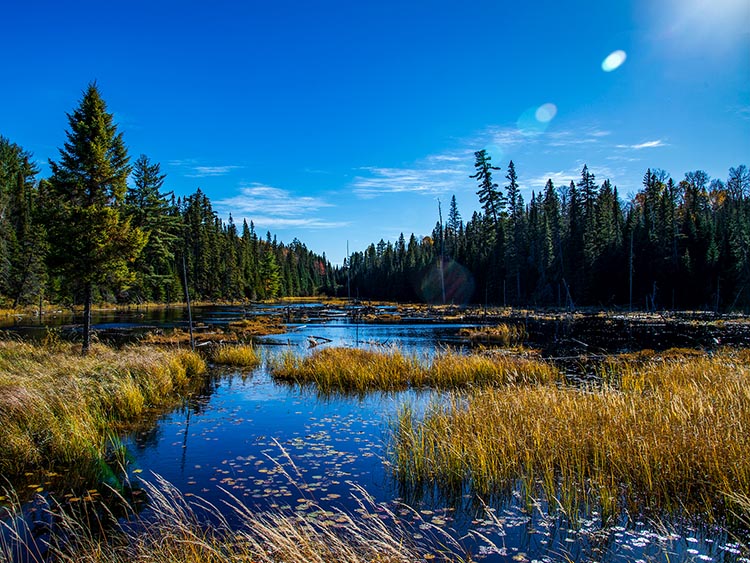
(92, 242)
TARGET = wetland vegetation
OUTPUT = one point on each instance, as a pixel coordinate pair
(59, 410)
(468, 442)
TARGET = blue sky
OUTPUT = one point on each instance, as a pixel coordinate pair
(332, 121)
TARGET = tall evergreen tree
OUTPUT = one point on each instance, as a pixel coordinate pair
(92, 243)
(490, 197)
(150, 210)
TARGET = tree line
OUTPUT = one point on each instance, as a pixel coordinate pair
(102, 229)
(673, 245)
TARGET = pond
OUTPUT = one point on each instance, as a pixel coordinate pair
(277, 446)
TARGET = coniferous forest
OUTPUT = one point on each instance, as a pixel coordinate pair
(104, 227)
(101, 228)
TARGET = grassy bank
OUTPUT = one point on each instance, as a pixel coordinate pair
(664, 431)
(178, 531)
(359, 370)
(57, 408)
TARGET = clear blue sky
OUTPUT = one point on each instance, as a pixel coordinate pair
(332, 121)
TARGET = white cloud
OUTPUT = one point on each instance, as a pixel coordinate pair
(421, 179)
(270, 207)
(210, 171)
(192, 168)
(645, 145)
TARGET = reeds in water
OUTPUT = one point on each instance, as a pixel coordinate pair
(663, 433)
(179, 529)
(359, 370)
(56, 407)
(242, 355)
(504, 334)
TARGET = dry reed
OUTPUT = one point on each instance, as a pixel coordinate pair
(178, 530)
(668, 433)
(56, 407)
(240, 355)
(361, 370)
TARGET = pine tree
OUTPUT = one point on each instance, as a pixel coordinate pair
(22, 245)
(490, 197)
(91, 242)
(150, 210)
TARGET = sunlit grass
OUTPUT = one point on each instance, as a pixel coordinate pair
(57, 407)
(178, 530)
(503, 333)
(361, 370)
(240, 355)
(666, 432)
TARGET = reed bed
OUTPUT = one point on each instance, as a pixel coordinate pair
(361, 370)
(191, 530)
(57, 408)
(504, 334)
(666, 433)
(243, 355)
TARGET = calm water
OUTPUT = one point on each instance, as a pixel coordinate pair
(281, 447)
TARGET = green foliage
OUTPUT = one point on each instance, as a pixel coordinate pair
(572, 246)
(92, 242)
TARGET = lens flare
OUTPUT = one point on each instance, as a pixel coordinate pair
(535, 120)
(546, 113)
(614, 60)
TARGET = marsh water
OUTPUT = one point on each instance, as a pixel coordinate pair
(282, 447)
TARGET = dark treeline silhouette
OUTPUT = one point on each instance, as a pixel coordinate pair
(674, 245)
(88, 234)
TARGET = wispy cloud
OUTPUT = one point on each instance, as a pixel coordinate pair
(562, 178)
(645, 145)
(743, 112)
(433, 175)
(270, 207)
(193, 169)
(211, 171)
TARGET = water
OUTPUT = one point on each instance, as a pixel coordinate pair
(276, 446)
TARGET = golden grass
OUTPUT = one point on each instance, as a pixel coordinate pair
(361, 370)
(56, 407)
(243, 355)
(177, 531)
(670, 433)
(503, 333)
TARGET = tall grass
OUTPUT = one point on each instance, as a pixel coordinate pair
(503, 333)
(178, 530)
(668, 433)
(360, 370)
(238, 355)
(57, 408)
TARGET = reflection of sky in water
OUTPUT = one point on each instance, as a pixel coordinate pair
(274, 446)
(278, 446)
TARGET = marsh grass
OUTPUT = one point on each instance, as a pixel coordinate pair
(665, 432)
(504, 334)
(192, 530)
(57, 408)
(359, 370)
(243, 355)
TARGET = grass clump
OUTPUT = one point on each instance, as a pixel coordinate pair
(243, 355)
(504, 334)
(664, 433)
(57, 408)
(362, 370)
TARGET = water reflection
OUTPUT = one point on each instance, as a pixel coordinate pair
(284, 447)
